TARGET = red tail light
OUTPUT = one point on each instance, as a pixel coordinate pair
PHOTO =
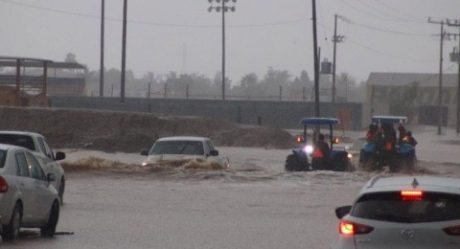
(351, 228)
(454, 231)
(412, 195)
(3, 185)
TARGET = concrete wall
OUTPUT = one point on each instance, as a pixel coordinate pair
(275, 114)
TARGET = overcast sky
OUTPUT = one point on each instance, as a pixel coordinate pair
(180, 35)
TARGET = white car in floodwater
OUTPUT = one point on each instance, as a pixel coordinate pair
(27, 197)
(184, 148)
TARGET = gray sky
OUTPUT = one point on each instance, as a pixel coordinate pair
(384, 35)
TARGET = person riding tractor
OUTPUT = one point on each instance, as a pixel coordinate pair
(384, 148)
(318, 155)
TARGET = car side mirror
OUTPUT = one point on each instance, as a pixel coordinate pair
(51, 177)
(214, 153)
(60, 156)
(340, 212)
(144, 153)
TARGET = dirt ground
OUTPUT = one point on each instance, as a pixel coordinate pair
(132, 132)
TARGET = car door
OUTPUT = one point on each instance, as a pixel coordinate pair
(26, 186)
(49, 164)
(42, 192)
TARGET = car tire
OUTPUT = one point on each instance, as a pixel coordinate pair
(61, 191)
(10, 232)
(49, 229)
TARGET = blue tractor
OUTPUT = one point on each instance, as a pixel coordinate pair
(383, 148)
(306, 156)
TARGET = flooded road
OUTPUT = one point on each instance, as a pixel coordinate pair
(116, 211)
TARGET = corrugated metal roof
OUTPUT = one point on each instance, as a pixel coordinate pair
(402, 79)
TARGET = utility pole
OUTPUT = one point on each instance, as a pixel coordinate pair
(456, 23)
(101, 77)
(316, 59)
(440, 109)
(336, 39)
(123, 52)
(222, 8)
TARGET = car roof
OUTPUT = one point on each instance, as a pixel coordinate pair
(183, 138)
(25, 133)
(389, 119)
(319, 121)
(424, 183)
(9, 147)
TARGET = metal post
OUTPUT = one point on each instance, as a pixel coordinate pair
(101, 77)
(440, 109)
(45, 78)
(187, 91)
(165, 91)
(123, 52)
(316, 59)
(281, 94)
(335, 40)
(18, 77)
(458, 87)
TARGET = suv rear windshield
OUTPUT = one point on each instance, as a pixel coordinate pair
(389, 206)
(18, 140)
(178, 147)
(2, 158)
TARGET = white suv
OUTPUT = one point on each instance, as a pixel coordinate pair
(402, 212)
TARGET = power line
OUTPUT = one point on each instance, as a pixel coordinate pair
(376, 15)
(386, 53)
(174, 25)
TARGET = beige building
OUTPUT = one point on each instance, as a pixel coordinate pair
(415, 95)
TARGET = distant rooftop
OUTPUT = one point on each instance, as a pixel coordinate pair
(402, 79)
(8, 61)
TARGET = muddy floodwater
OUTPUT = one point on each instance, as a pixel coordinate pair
(254, 204)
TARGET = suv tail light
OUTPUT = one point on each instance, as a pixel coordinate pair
(3, 185)
(454, 231)
(351, 228)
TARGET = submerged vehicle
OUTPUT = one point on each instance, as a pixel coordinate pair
(308, 155)
(383, 148)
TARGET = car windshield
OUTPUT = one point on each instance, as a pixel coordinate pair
(178, 147)
(18, 140)
(389, 206)
(2, 158)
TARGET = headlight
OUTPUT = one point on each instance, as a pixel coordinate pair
(350, 156)
(308, 149)
(144, 164)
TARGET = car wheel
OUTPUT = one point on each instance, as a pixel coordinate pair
(11, 231)
(49, 228)
(61, 191)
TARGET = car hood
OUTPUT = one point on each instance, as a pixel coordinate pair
(169, 157)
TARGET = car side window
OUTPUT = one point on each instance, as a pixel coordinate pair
(23, 167)
(36, 171)
(211, 146)
(45, 148)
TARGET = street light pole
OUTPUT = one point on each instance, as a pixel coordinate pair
(101, 77)
(222, 8)
(123, 52)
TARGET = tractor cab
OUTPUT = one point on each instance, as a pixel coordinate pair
(320, 151)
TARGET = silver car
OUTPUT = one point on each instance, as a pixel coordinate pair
(27, 197)
(403, 212)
